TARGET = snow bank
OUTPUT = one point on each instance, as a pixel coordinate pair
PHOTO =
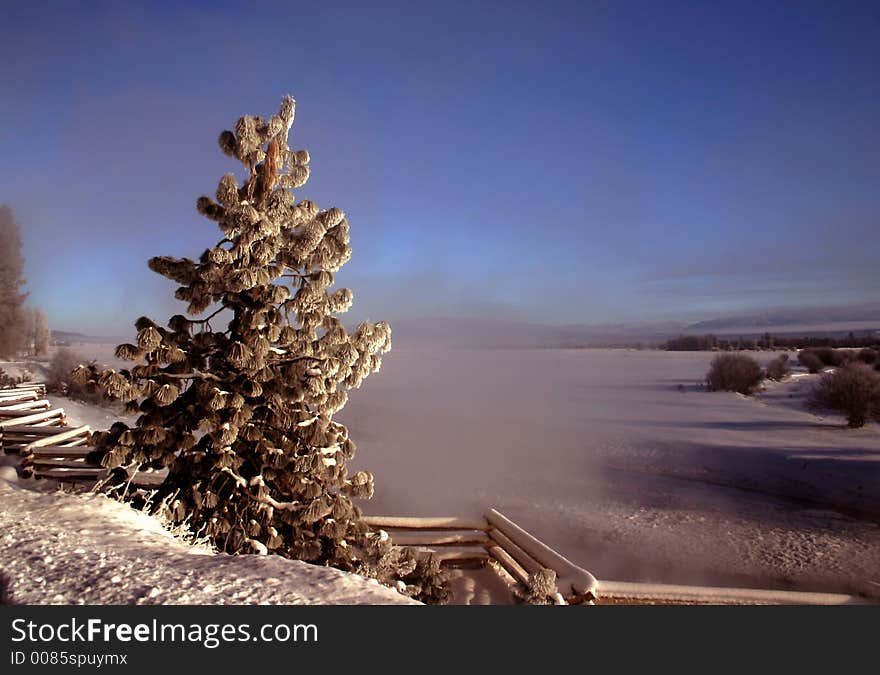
(61, 548)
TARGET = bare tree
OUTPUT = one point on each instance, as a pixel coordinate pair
(41, 333)
(12, 327)
(36, 331)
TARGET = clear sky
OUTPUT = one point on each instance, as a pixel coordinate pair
(555, 162)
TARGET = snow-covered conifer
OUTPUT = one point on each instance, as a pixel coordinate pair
(239, 404)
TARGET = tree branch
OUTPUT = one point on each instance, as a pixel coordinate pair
(208, 318)
(293, 359)
(182, 376)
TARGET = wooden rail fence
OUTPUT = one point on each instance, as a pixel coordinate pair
(50, 448)
(496, 542)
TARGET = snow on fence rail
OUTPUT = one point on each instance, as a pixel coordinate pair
(51, 449)
(515, 555)
(48, 446)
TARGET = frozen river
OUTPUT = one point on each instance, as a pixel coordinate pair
(600, 453)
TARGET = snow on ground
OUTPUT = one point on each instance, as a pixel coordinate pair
(61, 548)
(598, 453)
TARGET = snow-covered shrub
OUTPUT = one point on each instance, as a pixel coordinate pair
(12, 315)
(37, 332)
(541, 588)
(60, 378)
(778, 369)
(825, 355)
(853, 390)
(867, 355)
(831, 357)
(810, 361)
(242, 414)
(7, 380)
(61, 369)
(734, 372)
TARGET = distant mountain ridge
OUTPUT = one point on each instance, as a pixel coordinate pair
(68, 337)
(510, 334)
(505, 333)
(856, 314)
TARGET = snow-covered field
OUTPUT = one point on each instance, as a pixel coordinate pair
(599, 453)
(62, 548)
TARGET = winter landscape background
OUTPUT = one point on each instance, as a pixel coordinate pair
(602, 455)
(526, 186)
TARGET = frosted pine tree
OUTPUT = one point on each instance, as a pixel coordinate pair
(242, 414)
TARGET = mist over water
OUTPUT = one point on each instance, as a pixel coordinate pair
(600, 454)
(572, 443)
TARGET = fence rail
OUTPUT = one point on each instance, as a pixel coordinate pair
(50, 448)
(515, 555)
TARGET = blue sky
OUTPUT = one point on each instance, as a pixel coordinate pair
(553, 162)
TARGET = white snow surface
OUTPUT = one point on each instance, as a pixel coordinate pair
(62, 548)
(599, 454)
(57, 547)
